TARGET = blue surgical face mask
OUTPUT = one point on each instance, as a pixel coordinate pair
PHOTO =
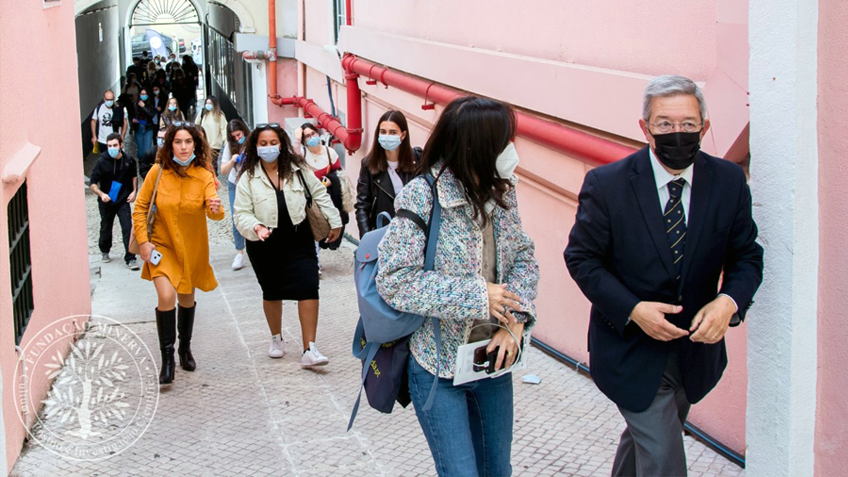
(144, 97)
(313, 141)
(209, 107)
(186, 163)
(241, 141)
(389, 142)
(114, 151)
(160, 142)
(109, 103)
(172, 108)
(155, 92)
(268, 153)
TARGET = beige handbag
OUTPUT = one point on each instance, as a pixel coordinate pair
(317, 222)
(151, 216)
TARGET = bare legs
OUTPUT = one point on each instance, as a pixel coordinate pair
(274, 315)
(167, 295)
(307, 311)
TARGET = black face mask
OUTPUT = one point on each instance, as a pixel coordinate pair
(677, 150)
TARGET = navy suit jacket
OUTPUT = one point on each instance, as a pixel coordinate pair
(619, 255)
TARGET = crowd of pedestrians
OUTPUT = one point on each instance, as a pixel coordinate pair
(658, 320)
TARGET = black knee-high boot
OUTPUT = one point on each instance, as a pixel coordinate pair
(185, 325)
(166, 327)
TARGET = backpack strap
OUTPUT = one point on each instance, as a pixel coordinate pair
(429, 263)
(413, 217)
(369, 352)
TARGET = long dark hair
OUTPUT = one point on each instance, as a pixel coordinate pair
(284, 161)
(469, 136)
(202, 150)
(376, 159)
(233, 126)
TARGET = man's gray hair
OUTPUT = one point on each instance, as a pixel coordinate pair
(671, 85)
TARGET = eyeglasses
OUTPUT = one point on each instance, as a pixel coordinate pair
(267, 125)
(187, 124)
(685, 126)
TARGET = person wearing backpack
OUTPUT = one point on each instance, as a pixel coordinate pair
(485, 272)
(273, 191)
(389, 165)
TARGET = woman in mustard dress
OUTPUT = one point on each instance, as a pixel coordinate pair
(185, 197)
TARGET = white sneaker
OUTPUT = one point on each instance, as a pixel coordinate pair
(276, 350)
(238, 262)
(312, 357)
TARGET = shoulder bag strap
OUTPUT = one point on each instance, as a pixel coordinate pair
(306, 190)
(151, 208)
(329, 159)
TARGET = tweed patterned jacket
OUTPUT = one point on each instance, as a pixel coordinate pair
(455, 291)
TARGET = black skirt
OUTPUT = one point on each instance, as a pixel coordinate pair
(286, 263)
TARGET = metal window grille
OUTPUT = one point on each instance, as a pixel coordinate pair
(20, 265)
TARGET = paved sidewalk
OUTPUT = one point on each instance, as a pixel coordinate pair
(242, 413)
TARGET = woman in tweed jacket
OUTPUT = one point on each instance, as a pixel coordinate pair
(485, 271)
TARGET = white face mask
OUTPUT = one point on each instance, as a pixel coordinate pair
(507, 161)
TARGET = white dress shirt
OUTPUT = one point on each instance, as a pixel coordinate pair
(662, 178)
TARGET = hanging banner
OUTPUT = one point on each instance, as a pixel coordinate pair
(157, 44)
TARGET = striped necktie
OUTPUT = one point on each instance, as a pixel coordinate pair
(675, 223)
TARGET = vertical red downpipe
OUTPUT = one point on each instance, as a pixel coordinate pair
(272, 51)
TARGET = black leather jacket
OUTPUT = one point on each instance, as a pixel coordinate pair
(376, 194)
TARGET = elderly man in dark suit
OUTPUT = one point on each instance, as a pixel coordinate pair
(653, 235)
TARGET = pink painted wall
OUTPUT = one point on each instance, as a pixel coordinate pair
(623, 36)
(55, 181)
(286, 86)
(832, 405)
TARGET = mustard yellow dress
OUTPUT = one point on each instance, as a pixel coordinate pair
(179, 227)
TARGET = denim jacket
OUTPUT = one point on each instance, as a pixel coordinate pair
(256, 201)
(455, 291)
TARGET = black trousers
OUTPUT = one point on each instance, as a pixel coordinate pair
(108, 211)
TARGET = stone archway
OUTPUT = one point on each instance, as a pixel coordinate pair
(245, 18)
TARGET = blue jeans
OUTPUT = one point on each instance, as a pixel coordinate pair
(143, 138)
(237, 238)
(469, 427)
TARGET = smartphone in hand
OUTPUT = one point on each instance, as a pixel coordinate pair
(485, 361)
(155, 257)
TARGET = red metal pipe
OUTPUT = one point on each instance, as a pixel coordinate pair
(272, 52)
(349, 12)
(558, 137)
(350, 138)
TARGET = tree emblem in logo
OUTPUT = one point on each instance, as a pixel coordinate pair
(104, 392)
(100, 377)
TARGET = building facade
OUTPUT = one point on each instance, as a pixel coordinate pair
(44, 272)
(772, 75)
